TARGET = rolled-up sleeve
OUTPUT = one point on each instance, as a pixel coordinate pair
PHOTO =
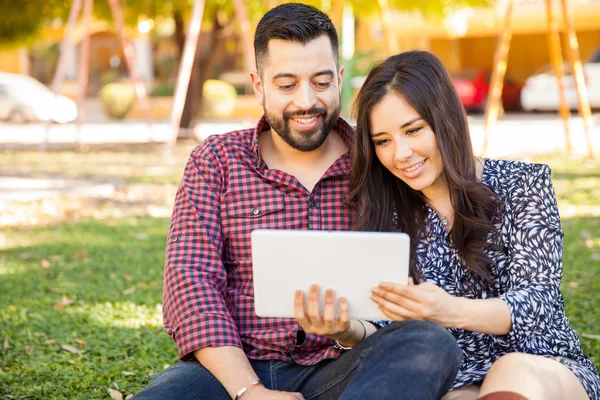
(194, 309)
(530, 280)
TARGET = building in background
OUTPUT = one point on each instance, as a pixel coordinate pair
(467, 38)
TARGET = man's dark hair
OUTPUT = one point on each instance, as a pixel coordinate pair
(293, 22)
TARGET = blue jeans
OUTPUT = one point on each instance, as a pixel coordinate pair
(406, 360)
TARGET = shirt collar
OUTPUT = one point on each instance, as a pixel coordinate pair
(341, 126)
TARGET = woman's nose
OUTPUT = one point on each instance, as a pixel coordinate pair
(403, 151)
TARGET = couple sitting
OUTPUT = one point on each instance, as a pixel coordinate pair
(482, 315)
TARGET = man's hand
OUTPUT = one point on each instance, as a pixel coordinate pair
(312, 321)
(262, 393)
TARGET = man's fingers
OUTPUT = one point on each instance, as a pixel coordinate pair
(314, 313)
(344, 320)
(299, 310)
(329, 310)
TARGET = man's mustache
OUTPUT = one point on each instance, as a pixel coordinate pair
(300, 113)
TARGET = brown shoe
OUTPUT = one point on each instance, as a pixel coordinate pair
(503, 396)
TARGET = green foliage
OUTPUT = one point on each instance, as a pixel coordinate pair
(163, 91)
(220, 98)
(21, 21)
(117, 99)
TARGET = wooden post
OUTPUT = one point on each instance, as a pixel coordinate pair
(140, 90)
(492, 107)
(185, 70)
(577, 71)
(391, 41)
(558, 67)
(241, 13)
(59, 74)
(84, 67)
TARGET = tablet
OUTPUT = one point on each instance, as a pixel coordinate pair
(351, 263)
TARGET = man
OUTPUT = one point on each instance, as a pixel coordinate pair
(290, 172)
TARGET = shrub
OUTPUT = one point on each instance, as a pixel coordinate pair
(117, 99)
(219, 99)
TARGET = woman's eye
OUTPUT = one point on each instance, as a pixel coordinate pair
(413, 131)
(381, 142)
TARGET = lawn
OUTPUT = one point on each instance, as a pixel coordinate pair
(80, 294)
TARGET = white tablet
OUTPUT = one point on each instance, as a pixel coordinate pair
(351, 263)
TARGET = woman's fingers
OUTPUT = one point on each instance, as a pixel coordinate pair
(393, 310)
(398, 299)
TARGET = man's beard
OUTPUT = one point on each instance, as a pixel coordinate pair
(305, 140)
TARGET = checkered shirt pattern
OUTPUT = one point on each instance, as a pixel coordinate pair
(226, 192)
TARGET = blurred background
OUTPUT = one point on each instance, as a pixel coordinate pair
(98, 114)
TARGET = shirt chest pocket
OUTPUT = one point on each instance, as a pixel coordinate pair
(242, 217)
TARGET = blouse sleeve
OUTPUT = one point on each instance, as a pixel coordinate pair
(530, 280)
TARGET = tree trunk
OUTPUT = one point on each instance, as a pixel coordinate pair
(179, 35)
(209, 53)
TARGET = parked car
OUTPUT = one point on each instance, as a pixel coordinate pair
(24, 99)
(540, 92)
(473, 86)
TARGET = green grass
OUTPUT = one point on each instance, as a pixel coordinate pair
(108, 278)
(96, 285)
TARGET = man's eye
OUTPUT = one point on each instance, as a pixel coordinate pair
(323, 85)
(286, 88)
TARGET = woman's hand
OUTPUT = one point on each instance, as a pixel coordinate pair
(327, 324)
(425, 301)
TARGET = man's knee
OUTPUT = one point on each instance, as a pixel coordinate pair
(431, 344)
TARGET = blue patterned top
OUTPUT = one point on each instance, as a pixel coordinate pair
(527, 276)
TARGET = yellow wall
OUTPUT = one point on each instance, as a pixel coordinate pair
(12, 61)
(527, 52)
(529, 47)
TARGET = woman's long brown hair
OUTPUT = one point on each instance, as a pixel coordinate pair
(385, 203)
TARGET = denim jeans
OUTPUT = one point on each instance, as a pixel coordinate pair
(407, 360)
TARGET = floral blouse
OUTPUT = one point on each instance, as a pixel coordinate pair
(526, 276)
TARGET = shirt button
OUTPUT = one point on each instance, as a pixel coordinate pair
(174, 238)
(256, 211)
(313, 203)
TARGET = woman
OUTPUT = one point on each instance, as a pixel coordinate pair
(485, 234)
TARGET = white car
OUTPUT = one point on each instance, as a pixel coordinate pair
(540, 92)
(24, 99)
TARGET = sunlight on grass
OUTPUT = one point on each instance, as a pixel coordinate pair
(123, 314)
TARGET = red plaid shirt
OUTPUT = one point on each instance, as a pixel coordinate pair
(226, 192)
